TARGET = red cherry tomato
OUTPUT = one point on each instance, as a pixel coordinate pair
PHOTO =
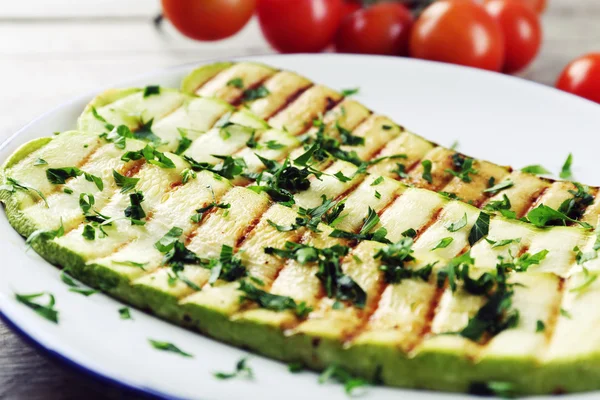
(295, 26)
(208, 19)
(459, 32)
(522, 32)
(582, 77)
(381, 29)
(349, 7)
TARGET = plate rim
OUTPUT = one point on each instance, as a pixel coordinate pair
(122, 382)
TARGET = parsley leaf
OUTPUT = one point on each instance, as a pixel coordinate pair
(118, 136)
(458, 225)
(236, 82)
(151, 155)
(272, 301)
(134, 211)
(166, 346)
(346, 137)
(45, 310)
(40, 161)
(45, 234)
(125, 313)
(502, 206)
(167, 242)
(543, 216)
(588, 279)
(335, 283)
(536, 170)
(255, 93)
(59, 176)
(480, 229)
(241, 369)
(393, 259)
(151, 90)
(565, 172)
(464, 166)
(227, 267)
(540, 326)
(349, 92)
(426, 170)
(443, 243)
(124, 182)
(365, 233)
(342, 376)
(184, 142)
(500, 186)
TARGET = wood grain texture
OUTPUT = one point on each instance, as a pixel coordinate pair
(53, 50)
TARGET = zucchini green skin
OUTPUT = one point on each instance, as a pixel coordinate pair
(202, 75)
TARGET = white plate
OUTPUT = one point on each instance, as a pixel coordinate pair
(494, 117)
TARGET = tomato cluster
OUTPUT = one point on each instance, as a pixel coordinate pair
(497, 35)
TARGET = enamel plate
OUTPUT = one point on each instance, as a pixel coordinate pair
(502, 119)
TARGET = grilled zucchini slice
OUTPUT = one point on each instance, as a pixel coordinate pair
(349, 260)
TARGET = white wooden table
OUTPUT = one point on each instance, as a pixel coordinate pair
(51, 50)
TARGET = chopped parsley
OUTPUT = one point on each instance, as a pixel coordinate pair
(377, 181)
(118, 136)
(166, 346)
(228, 169)
(151, 90)
(40, 161)
(427, 170)
(540, 326)
(134, 211)
(151, 155)
(366, 231)
(125, 313)
(144, 132)
(443, 243)
(458, 225)
(187, 175)
(236, 82)
(227, 267)
(201, 211)
(45, 310)
(167, 242)
(58, 176)
(335, 283)
(89, 233)
(124, 182)
(400, 170)
(501, 243)
(480, 229)
(502, 206)
(536, 170)
(393, 259)
(463, 166)
(494, 189)
(543, 216)
(241, 370)
(342, 376)
(565, 172)
(184, 142)
(565, 313)
(349, 92)
(255, 93)
(493, 388)
(272, 301)
(346, 137)
(12, 185)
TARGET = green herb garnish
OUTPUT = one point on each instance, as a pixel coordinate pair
(166, 346)
(45, 310)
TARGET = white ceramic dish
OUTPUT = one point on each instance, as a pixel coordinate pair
(494, 117)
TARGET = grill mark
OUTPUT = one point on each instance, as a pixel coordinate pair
(289, 100)
(434, 218)
(331, 103)
(429, 317)
(533, 201)
(554, 316)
